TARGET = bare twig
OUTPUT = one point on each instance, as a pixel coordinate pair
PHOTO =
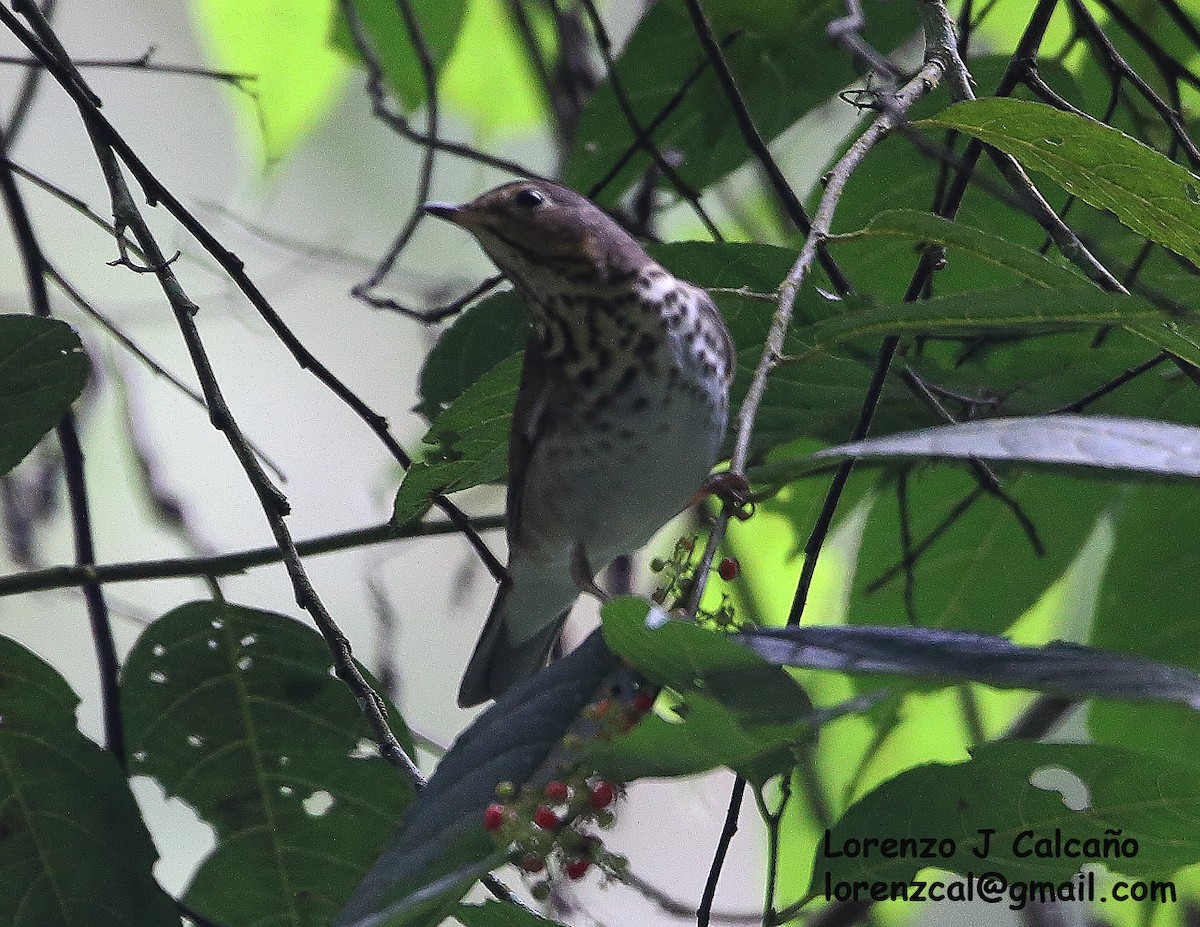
(34, 262)
(157, 193)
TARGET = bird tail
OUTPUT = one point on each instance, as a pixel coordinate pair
(498, 663)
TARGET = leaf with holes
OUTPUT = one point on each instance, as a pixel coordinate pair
(73, 849)
(235, 711)
(1004, 809)
(42, 371)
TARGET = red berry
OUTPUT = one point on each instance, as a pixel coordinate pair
(602, 795)
(493, 817)
(729, 569)
(642, 703)
(532, 864)
(556, 791)
(576, 868)
(545, 818)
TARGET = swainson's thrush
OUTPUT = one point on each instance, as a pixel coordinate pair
(620, 413)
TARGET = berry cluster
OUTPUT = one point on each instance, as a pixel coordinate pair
(678, 575)
(546, 829)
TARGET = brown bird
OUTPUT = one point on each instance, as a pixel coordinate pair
(620, 413)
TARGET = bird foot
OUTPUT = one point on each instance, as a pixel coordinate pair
(582, 574)
(733, 491)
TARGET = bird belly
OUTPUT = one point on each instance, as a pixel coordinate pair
(610, 483)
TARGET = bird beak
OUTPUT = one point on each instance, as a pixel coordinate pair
(447, 211)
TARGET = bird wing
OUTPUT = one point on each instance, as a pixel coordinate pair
(530, 420)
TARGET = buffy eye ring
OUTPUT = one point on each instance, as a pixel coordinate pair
(529, 198)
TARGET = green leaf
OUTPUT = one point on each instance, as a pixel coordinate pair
(504, 97)
(1070, 670)
(74, 851)
(922, 227)
(468, 443)
(1013, 790)
(488, 332)
(496, 914)
(688, 657)
(282, 44)
(235, 711)
(976, 569)
(1146, 606)
(1016, 309)
(1105, 168)
(441, 847)
(384, 26)
(42, 371)
(704, 735)
(1096, 441)
(771, 59)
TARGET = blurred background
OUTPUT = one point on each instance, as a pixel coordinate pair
(309, 206)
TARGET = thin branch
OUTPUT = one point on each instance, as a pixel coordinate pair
(728, 829)
(272, 501)
(754, 140)
(682, 187)
(59, 577)
(416, 38)
(157, 193)
(23, 101)
(34, 262)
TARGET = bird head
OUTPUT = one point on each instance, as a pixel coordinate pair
(541, 234)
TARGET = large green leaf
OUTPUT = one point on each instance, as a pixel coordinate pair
(1151, 800)
(282, 45)
(772, 59)
(439, 21)
(982, 573)
(42, 371)
(235, 711)
(73, 849)
(1105, 168)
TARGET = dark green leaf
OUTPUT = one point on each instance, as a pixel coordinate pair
(441, 847)
(1105, 168)
(495, 914)
(771, 59)
(691, 658)
(1100, 441)
(384, 25)
(42, 371)
(468, 443)
(993, 791)
(73, 849)
(1070, 670)
(234, 711)
(706, 735)
(480, 338)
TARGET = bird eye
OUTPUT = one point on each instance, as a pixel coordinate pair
(529, 197)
